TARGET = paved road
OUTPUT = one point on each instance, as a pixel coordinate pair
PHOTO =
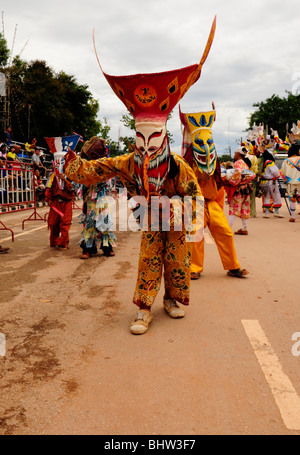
(69, 365)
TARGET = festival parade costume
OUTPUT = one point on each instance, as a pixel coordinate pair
(60, 193)
(60, 201)
(199, 151)
(96, 229)
(239, 204)
(152, 170)
(290, 169)
(269, 185)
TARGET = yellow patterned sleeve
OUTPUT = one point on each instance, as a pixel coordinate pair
(186, 181)
(88, 173)
(187, 187)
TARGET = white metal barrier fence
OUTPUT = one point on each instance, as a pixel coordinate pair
(17, 191)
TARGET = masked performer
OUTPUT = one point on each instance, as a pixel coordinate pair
(269, 184)
(199, 151)
(239, 190)
(152, 170)
(60, 196)
(291, 171)
(93, 205)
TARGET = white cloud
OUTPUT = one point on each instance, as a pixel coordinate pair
(254, 53)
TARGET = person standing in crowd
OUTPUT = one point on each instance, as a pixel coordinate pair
(60, 196)
(254, 168)
(198, 149)
(39, 186)
(291, 172)
(37, 163)
(93, 204)
(269, 184)
(239, 201)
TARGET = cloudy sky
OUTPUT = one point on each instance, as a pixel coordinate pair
(255, 53)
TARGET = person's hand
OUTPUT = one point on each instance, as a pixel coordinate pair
(70, 156)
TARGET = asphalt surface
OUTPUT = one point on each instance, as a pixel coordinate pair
(69, 364)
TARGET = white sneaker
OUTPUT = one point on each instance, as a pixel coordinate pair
(278, 215)
(141, 322)
(173, 310)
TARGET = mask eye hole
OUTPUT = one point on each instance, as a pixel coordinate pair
(210, 141)
(152, 149)
(199, 142)
(142, 149)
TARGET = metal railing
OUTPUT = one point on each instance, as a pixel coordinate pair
(17, 191)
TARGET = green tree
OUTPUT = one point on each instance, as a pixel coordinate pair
(224, 158)
(44, 103)
(4, 52)
(276, 113)
(104, 133)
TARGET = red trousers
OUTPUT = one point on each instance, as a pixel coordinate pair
(60, 226)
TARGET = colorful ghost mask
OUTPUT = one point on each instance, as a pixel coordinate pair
(198, 134)
(294, 136)
(94, 148)
(150, 98)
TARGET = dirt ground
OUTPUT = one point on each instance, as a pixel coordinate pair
(71, 365)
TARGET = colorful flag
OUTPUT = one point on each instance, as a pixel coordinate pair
(80, 137)
(61, 144)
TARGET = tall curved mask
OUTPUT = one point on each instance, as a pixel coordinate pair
(197, 134)
(150, 98)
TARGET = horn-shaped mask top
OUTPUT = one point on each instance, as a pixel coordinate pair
(150, 98)
(198, 134)
(294, 136)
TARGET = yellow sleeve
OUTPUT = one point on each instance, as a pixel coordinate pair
(186, 181)
(187, 184)
(254, 165)
(88, 173)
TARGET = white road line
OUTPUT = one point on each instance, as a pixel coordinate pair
(25, 233)
(2, 345)
(282, 389)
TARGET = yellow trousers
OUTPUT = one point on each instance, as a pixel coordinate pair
(163, 250)
(216, 220)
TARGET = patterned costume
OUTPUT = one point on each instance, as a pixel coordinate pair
(96, 230)
(198, 149)
(60, 195)
(269, 184)
(97, 227)
(290, 169)
(60, 201)
(237, 184)
(152, 170)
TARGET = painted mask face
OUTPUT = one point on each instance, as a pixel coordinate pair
(59, 161)
(150, 98)
(152, 156)
(199, 128)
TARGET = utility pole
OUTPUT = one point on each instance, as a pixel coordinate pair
(29, 108)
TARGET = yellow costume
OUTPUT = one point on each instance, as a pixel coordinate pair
(158, 248)
(199, 150)
(152, 170)
(215, 219)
